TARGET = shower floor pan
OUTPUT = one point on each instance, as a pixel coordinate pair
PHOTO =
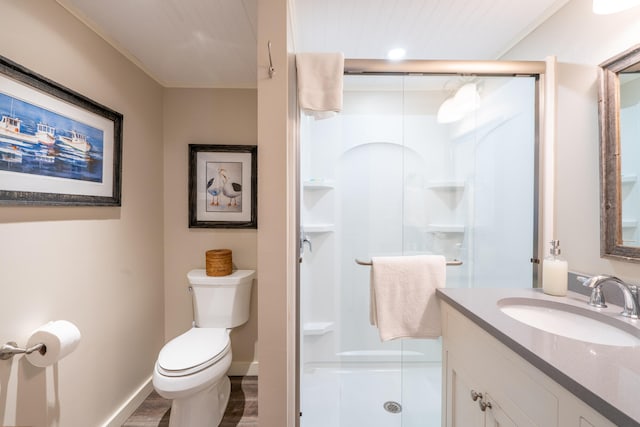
(347, 396)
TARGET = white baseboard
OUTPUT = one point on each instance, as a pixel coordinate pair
(240, 369)
(129, 407)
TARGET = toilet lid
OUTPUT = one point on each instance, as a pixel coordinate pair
(193, 351)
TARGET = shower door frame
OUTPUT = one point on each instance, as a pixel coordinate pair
(545, 99)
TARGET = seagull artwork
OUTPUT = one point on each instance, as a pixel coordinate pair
(230, 189)
(214, 190)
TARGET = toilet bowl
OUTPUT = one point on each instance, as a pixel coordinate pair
(191, 368)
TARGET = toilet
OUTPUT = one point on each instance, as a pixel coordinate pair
(191, 369)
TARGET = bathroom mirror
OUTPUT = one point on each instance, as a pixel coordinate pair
(619, 116)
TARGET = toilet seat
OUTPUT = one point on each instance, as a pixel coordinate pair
(193, 351)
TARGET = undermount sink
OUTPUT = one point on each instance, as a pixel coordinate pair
(569, 321)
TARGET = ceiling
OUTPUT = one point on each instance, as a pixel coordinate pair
(212, 43)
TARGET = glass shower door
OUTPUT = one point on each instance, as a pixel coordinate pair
(385, 177)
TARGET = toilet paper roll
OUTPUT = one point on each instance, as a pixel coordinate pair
(60, 338)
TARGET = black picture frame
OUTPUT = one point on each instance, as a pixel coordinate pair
(223, 186)
(57, 147)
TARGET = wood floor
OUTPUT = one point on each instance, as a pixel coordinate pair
(242, 410)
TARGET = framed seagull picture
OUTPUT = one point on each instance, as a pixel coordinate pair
(223, 186)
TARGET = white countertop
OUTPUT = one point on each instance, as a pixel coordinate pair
(605, 377)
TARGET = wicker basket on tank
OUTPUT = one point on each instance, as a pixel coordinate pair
(219, 262)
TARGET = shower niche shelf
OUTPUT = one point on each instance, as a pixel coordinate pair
(629, 179)
(318, 184)
(317, 328)
(318, 228)
(445, 228)
(446, 185)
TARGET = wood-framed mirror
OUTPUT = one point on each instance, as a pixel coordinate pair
(619, 119)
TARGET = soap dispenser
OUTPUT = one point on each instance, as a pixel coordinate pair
(554, 272)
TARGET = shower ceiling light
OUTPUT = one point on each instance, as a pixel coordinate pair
(606, 7)
(396, 54)
(467, 98)
(463, 102)
(448, 112)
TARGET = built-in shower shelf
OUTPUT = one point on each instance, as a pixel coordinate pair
(318, 228)
(317, 328)
(629, 223)
(446, 185)
(318, 184)
(629, 179)
(445, 228)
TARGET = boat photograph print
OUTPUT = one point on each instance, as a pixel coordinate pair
(57, 147)
(36, 141)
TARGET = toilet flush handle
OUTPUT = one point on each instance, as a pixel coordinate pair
(193, 304)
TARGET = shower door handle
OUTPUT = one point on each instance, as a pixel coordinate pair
(304, 239)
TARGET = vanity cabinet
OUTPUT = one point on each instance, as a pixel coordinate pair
(487, 384)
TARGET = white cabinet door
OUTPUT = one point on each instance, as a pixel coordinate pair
(495, 415)
(461, 409)
(469, 406)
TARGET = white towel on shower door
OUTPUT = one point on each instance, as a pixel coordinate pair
(403, 295)
(320, 77)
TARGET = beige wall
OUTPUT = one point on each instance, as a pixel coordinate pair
(99, 267)
(204, 116)
(581, 41)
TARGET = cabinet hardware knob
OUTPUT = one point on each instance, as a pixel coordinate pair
(484, 405)
(475, 395)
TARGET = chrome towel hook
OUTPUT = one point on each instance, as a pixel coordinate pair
(272, 70)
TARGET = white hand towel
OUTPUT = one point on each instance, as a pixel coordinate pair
(320, 78)
(403, 295)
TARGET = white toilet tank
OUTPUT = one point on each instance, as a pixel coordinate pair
(221, 301)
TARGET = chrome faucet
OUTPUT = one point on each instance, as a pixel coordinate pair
(630, 293)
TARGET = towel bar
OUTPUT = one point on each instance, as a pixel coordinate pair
(452, 262)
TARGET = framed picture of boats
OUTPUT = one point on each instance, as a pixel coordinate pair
(57, 147)
(223, 186)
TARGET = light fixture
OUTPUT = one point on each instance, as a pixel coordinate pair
(463, 102)
(467, 98)
(448, 112)
(606, 7)
(396, 54)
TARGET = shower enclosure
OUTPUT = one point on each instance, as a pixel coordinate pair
(392, 176)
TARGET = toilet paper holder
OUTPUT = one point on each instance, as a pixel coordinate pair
(11, 348)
